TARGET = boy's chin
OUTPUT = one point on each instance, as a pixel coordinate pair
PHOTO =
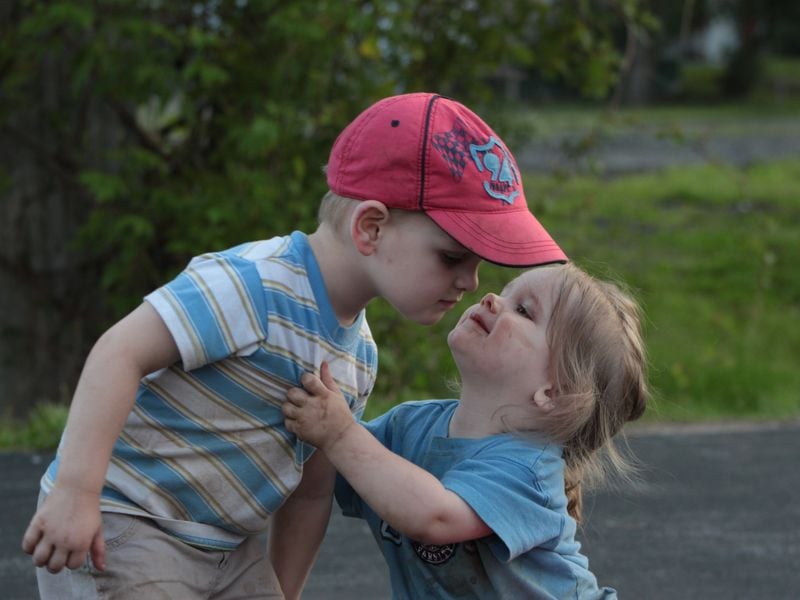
(428, 319)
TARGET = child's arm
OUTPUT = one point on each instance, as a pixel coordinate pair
(68, 524)
(299, 525)
(407, 497)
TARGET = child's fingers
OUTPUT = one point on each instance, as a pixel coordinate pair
(32, 536)
(327, 378)
(289, 410)
(98, 551)
(296, 396)
(58, 559)
(291, 421)
(41, 553)
(75, 560)
(312, 384)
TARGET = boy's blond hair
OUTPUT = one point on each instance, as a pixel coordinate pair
(334, 210)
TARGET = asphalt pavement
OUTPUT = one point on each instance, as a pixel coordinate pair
(715, 515)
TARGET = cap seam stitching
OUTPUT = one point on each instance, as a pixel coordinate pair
(424, 150)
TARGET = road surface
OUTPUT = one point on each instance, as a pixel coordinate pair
(714, 516)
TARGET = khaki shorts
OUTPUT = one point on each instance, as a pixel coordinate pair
(143, 561)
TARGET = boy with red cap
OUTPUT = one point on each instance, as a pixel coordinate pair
(175, 455)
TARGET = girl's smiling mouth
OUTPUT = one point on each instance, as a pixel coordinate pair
(477, 319)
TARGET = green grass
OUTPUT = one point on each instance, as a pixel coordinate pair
(687, 121)
(40, 431)
(711, 253)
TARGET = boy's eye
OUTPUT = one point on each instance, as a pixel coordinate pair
(451, 259)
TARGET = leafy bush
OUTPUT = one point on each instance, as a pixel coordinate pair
(41, 430)
(699, 82)
(162, 130)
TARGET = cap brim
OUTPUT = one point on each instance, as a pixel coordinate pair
(511, 239)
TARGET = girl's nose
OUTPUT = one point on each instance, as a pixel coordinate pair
(490, 301)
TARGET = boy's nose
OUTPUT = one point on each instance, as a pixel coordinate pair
(468, 278)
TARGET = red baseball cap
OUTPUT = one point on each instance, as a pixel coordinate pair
(429, 153)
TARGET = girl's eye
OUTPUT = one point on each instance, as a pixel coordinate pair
(520, 309)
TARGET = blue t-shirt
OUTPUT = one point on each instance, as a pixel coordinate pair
(513, 482)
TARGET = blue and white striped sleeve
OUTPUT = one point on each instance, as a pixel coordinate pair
(214, 309)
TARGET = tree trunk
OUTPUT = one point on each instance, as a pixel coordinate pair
(50, 302)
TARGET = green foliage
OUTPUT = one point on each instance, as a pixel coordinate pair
(699, 83)
(451, 46)
(220, 115)
(41, 430)
(175, 128)
(714, 264)
(779, 80)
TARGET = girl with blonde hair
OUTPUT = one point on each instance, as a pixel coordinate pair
(480, 496)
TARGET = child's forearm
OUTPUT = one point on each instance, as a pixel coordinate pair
(106, 392)
(299, 525)
(102, 401)
(67, 525)
(407, 497)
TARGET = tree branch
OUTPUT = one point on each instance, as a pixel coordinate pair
(145, 139)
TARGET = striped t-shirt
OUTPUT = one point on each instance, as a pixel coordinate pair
(205, 452)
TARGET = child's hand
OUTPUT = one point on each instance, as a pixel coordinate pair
(64, 530)
(317, 412)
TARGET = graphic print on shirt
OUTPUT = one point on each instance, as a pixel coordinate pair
(390, 534)
(430, 553)
(434, 554)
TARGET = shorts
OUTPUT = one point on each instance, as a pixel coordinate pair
(144, 561)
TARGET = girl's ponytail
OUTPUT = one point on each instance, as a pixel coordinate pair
(598, 364)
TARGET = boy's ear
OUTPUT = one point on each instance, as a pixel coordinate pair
(543, 398)
(366, 225)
